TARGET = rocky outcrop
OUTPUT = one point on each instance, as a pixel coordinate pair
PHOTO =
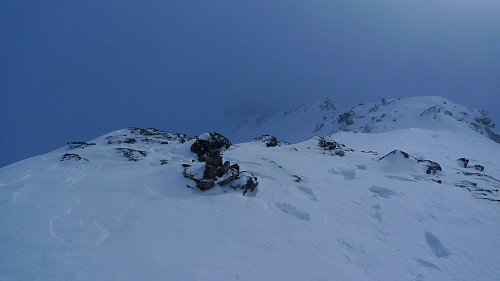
(332, 147)
(71, 156)
(393, 158)
(346, 118)
(132, 154)
(155, 134)
(218, 141)
(270, 141)
(79, 144)
(492, 135)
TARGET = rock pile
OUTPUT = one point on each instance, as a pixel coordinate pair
(208, 148)
(332, 147)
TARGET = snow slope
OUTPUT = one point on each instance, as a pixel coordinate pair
(323, 117)
(121, 210)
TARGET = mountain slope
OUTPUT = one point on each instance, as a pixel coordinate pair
(323, 117)
(118, 208)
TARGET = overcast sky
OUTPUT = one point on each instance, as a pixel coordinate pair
(74, 70)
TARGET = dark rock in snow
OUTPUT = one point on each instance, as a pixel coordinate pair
(270, 141)
(118, 140)
(208, 142)
(71, 156)
(245, 181)
(333, 147)
(224, 169)
(234, 173)
(213, 158)
(479, 168)
(201, 183)
(297, 178)
(462, 162)
(210, 172)
(346, 118)
(132, 154)
(491, 194)
(201, 147)
(218, 141)
(79, 144)
(160, 135)
(432, 167)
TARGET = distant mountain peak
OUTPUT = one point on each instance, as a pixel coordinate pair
(327, 105)
(324, 117)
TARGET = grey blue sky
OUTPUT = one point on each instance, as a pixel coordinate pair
(74, 70)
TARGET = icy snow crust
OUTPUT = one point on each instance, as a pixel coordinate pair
(314, 216)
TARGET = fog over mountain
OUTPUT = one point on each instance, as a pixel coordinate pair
(78, 70)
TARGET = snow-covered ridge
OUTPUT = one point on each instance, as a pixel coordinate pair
(324, 117)
(410, 204)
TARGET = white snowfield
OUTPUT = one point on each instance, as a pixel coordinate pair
(121, 210)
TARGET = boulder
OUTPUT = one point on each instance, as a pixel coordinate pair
(200, 147)
(213, 158)
(233, 173)
(462, 162)
(210, 172)
(218, 141)
(245, 181)
(270, 141)
(224, 169)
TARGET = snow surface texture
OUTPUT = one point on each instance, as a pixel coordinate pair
(324, 116)
(122, 210)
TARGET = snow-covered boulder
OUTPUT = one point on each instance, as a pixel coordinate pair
(398, 161)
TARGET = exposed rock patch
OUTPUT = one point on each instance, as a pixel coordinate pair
(132, 154)
(332, 147)
(160, 135)
(463, 162)
(270, 141)
(71, 156)
(79, 144)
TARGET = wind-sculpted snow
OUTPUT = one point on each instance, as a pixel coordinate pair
(382, 191)
(350, 206)
(437, 247)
